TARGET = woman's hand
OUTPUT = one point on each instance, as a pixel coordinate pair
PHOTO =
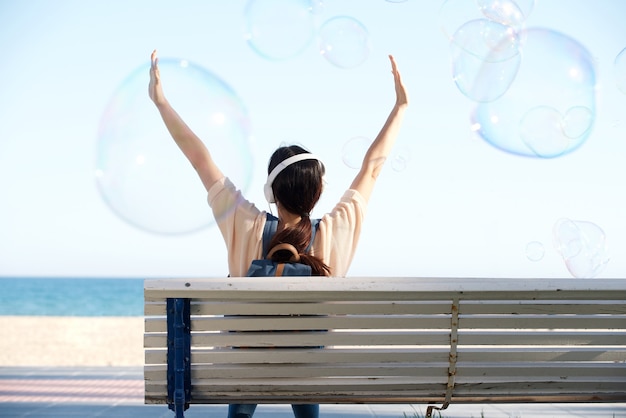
(401, 96)
(154, 88)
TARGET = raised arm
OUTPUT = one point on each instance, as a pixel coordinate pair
(381, 147)
(193, 148)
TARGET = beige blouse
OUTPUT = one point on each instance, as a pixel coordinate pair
(241, 224)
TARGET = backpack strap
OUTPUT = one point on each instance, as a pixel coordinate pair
(315, 223)
(295, 257)
(271, 225)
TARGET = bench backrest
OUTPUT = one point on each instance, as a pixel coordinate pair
(394, 340)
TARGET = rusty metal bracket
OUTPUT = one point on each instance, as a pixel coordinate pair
(454, 339)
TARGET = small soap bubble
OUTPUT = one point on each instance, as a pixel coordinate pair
(553, 89)
(400, 158)
(142, 175)
(567, 238)
(354, 150)
(535, 251)
(540, 130)
(453, 14)
(344, 42)
(582, 245)
(620, 70)
(577, 122)
(280, 29)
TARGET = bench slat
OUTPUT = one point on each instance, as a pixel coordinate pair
(542, 337)
(292, 339)
(357, 384)
(341, 390)
(302, 289)
(431, 337)
(469, 373)
(368, 355)
(542, 321)
(304, 356)
(521, 307)
(203, 307)
(428, 371)
(251, 323)
(545, 307)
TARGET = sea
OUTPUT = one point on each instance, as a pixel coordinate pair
(71, 296)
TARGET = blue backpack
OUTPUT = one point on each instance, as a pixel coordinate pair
(267, 267)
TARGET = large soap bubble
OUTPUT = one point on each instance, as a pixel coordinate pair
(582, 246)
(354, 150)
(344, 42)
(141, 174)
(549, 109)
(280, 29)
(620, 70)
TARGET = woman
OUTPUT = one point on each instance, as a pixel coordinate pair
(294, 184)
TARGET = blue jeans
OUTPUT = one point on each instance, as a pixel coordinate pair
(299, 411)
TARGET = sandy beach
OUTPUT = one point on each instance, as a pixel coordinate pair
(71, 341)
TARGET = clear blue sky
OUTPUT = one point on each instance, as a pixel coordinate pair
(456, 198)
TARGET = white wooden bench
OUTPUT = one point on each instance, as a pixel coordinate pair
(385, 340)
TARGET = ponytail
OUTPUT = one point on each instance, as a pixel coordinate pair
(299, 236)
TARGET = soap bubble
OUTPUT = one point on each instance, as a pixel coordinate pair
(317, 7)
(453, 14)
(400, 158)
(553, 89)
(577, 122)
(354, 150)
(582, 246)
(540, 130)
(485, 59)
(549, 134)
(620, 70)
(487, 40)
(142, 175)
(280, 29)
(535, 251)
(344, 42)
(508, 12)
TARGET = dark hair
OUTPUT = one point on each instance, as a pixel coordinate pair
(298, 188)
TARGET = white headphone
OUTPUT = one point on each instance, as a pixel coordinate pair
(269, 193)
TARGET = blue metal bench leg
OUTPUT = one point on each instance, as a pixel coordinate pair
(178, 355)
